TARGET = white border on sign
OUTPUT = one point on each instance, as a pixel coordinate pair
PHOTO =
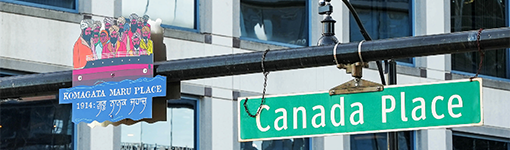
(363, 132)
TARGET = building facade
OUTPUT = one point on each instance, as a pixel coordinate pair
(38, 36)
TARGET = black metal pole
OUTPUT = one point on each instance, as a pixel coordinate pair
(392, 77)
(244, 63)
(392, 74)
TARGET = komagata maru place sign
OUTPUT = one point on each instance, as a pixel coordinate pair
(396, 108)
(113, 76)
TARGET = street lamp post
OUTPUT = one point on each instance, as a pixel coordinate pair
(328, 24)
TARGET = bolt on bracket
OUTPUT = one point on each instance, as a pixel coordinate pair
(356, 85)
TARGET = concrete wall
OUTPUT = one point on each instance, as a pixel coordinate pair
(37, 39)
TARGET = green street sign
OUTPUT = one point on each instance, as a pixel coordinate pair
(396, 108)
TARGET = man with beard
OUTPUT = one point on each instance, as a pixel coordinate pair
(97, 26)
(140, 23)
(81, 49)
(134, 28)
(145, 20)
(95, 40)
(136, 46)
(146, 42)
(108, 22)
(104, 38)
(123, 33)
(115, 48)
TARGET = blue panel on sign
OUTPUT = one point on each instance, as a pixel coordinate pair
(114, 101)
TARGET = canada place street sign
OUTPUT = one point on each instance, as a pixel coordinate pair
(396, 108)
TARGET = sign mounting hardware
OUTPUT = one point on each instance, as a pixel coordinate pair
(357, 85)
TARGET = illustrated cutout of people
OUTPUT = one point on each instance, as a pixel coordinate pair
(146, 42)
(121, 23)
(97, 47)
(137, 50)
(134, 27)
(115, 48)
(145, 20)
(108, 23)
(121, 37)
(104, 39)
(82, 47)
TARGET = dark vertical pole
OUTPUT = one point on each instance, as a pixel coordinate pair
(328, 24)
(392, 77)
(392, 74)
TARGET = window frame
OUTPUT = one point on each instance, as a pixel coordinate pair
(183, 100)
(412, 15)
(507, 78)
(194, 101)
(75, 134)
(196, 19)
(4, 72)
(412, 26)
(412, 138)
(308, 9)
(310, 145)
(196, 26)
(30, 4)
(481, 137)
(54, 102)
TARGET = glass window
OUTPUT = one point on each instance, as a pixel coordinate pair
(177, 132)
(9, 72)
(66, 4)
(378, 141)
(382, 19)
(287, 144)
(283, 21)
(171, 12)
(473, 15)
(463, 141)
(35, 125)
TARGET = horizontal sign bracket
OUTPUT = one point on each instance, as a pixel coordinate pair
(356, 85)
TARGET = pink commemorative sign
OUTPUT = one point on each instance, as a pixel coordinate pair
(113, 75)
(113, 50)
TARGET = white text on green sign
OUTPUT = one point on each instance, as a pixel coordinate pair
(445, 104)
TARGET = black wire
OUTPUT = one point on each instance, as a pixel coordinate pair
(366, 36)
